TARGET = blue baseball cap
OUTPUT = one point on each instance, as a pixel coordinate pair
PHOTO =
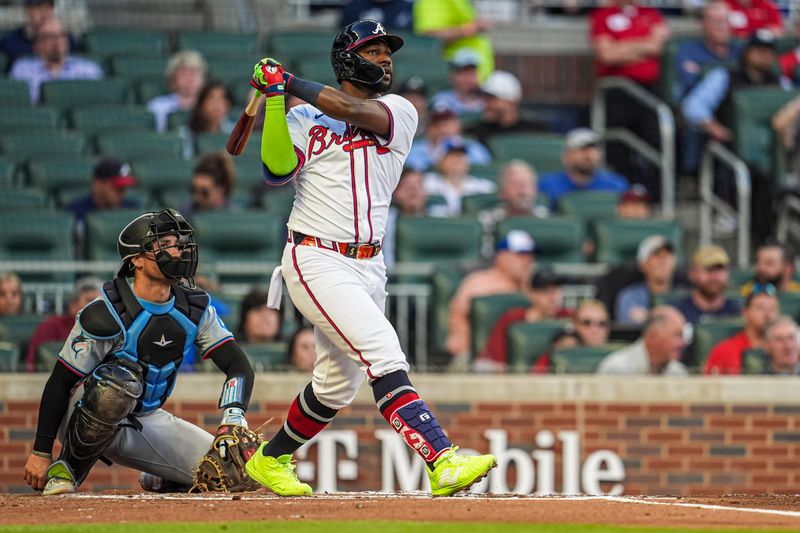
(517, 241)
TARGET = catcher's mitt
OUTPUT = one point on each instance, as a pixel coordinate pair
(222, 468)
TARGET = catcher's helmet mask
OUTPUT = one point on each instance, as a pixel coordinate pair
(142, 234)
(348, 65)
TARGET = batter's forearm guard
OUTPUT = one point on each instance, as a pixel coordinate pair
(277, 150)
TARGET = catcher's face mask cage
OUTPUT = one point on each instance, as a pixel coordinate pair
(348, 65)
(148, 234)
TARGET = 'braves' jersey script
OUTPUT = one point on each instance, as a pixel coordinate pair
(345, 183)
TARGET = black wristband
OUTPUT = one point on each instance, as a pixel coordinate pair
(306, 90)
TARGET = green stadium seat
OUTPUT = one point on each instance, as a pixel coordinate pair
(233, 302)
(7, 170)
(14, 93)
(490, 172)
(435, 200)
(278, 200)
(708, 334)
(790, 304)
(55, 175)
(148, 89)
(74, 93)
(318, 69)
(581, 359)
(485, 312)
(437, 240)
(206, 143)
(434, 70)
(475, 203)
(419, 45)
(755, 361)
(20, 118)
(21, 328)
(267, 356)
(23, 146)
(131, 42)
(445, 282)
(739, 276)
(161, 174)
(230, 68)
(558, 239)
(528, 340)
(540, 150)
(102, 231)
(177, 119)
(589, 205)
(220, 44)
(137, 68)
(22, 199)
(293, 46)
(618, 239)
(99, 119)
(47, 355)
(9, 357)
(138, 144)
(245, 236)
(249, 170)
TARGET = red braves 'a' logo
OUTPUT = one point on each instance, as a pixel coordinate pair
(319, 141)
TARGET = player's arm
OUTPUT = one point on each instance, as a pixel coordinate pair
(239, 378)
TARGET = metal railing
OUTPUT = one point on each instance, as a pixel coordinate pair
(788, 229)
(664, 158)
(710, 202)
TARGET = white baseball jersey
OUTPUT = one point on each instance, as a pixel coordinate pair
(345, 184)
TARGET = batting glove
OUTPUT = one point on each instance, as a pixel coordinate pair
(268, 77)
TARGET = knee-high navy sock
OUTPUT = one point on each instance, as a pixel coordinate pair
(410, 416)
(307, 417)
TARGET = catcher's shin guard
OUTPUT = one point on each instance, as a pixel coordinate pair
(110, 395)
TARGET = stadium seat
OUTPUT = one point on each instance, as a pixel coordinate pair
(437, 240)
(177, 119)
(14, 93)
(220, 44)
(136, 68)
(475, 203)
(589, 205)
(57, 174)
(22, 199)
(245, 236)
(130, 145)
(99, 119)
(434, 70)
(527, 341)
(20, 118)
(790, 304)
(558, 239)
(206, 143)
(486, 310)
(7, 170)
(46, 355)
(540, 150)
(755, 361)
(581, 359)
(9, 357)
(267, 356)
(23, 146)
(231, 68)
(292, 46)
(124, 41)
(445, 282)
(618, 239)
(74, 93)
(148, 89)
(708, 334)
(278, 200)
(102, 231)
(419, 45)
(161, 174)
(21, 328)
(249, 171)
(317, 69)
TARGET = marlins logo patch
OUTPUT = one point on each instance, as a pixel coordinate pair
(79, 346)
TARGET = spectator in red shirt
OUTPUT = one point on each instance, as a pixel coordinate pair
(57, 328)
(760, 308)
(747, 16)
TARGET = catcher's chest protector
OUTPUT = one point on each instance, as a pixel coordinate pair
(157, 336)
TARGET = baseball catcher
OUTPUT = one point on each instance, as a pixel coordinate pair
(104, 397)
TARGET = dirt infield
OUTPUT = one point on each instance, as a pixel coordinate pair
(119, 506)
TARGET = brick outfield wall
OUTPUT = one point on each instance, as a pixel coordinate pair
(666, 448)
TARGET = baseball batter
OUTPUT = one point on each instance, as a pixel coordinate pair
(345, 150)
(120, 363)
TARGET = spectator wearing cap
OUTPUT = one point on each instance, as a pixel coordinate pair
(464, 96)
(443, 124)
(415, 91)
(775, 266)
(636, 203)
(110, 180)
(514, 258)
(457, 25)
(783, 352)
(656, 259)
(451, 178)
(501, 115)
(18, 43)
(52, 61)
(582, 171)
(57, 328)
(394, 14)
(708, 274)
(657, 352)
(760, 308)
(186, 74)
(748, 16)
(547, 303)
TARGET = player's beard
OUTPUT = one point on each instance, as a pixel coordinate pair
(382, 87)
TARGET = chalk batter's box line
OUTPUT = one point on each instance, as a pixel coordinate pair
(425, 496)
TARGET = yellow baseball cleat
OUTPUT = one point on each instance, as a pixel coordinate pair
(453, 472)
(60, 480)
(277, 474)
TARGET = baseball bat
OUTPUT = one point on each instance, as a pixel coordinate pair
(237, 140)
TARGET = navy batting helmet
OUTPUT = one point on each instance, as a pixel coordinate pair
(347, 65)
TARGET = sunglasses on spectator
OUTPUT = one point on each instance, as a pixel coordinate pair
(588, 322)
(202, 192)
(765, 288)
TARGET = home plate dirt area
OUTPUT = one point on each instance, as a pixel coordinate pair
(773, 511)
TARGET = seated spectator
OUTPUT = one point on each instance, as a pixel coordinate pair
(786, 123)
(582, 159)
(301, 354)
(774, 265)
(186, 74)
(18, 43)
(52, 61)
(10, 294)
(760, 308)
(257, 322)
(57, 328)
(501, 115)
(657, 352)
(513, 261)
(443, 124)
(708, 275)
(395, 15)
(749, 16)
(451, 178)
(781, 344)
(415, 91)
(212, 185)
(211, 114)
(547, 303)
(464, 96)
(636, 202)
(458, 26)
(656, 259)
(110, 181)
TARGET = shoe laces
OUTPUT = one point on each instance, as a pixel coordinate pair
(289, 466)
(450, 456)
